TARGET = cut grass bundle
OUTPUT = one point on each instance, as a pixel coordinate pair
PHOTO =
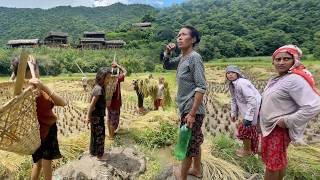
(167, 96)
(217, 168)
(304, 162)
(150, 87)
(225, 148)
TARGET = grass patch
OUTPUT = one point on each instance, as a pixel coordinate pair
(149, 138)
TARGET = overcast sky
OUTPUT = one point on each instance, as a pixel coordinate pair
(45, 4)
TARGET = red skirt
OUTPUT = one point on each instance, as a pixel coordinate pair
(274, 149)
(249, 133)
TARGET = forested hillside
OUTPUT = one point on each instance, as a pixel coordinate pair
(229, 28)
(247, 27)
(36, 23)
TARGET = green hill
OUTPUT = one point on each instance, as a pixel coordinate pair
(247, 27)
(36, 23)
(229, 28)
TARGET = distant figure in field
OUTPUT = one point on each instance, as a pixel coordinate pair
(96, 114)
(13, 76)
(159, 101)
(289, 101)
(116, 102)
(140, 96)
(245, 103)
(84, 82)
(45, 102)
(191, 83)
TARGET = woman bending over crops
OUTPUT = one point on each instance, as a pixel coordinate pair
(116, 102)
(45, 102)
(289, 102)
(245, 103)
(191, 88)
(96, 114)
(159, 101)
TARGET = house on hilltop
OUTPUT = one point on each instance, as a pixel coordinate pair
(97, 40)
(92, 40)
(56, 39)
(142, 25)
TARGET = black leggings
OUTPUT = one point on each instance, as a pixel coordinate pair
(140, 99)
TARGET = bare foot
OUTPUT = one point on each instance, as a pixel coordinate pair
(243, 153)
(110, 138)
(194, 173)
(177, 172)
(102, 158)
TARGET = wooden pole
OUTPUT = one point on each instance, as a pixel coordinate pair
(80, 69)
(21, 72)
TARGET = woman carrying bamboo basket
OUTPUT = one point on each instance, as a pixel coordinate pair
(45, 101)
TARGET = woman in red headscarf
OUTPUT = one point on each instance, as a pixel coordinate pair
(289, 102)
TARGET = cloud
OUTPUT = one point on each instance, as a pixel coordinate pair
(108, 2)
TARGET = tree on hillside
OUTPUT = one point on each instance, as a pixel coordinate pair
(316, 50)
(148, 18)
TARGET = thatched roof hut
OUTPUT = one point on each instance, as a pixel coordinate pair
(23, 43)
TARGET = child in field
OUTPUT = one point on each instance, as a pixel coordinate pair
(160, 96)
(84, 82)
(96, 114)
(45, 101)
(245, 103)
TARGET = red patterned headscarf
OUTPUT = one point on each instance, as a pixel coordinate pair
(298, 67)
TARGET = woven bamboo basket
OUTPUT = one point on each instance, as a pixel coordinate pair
(19, 127)
(110, 88)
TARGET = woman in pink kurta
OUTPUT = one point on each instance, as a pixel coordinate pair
(289, 102)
